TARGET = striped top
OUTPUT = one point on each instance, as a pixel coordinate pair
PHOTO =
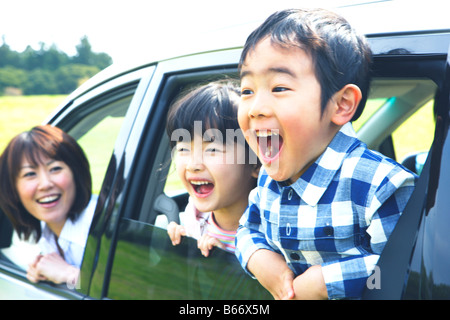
(226, 237)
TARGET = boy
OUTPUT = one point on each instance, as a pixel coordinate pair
(325, 205)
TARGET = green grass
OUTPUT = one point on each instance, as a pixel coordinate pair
(21, 113)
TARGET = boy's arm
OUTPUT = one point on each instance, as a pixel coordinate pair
(310, 285)
(258, 257)
(272, 272)
(250, 235)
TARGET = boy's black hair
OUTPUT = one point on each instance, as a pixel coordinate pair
(339, 54)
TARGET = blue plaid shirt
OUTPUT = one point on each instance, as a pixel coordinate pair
(338, 214)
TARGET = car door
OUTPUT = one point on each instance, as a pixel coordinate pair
(99, 119)
(415, 261)
(129, 254)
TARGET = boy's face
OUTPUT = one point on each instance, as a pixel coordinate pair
(281, 94)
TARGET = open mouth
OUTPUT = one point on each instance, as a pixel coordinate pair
(202, 188)
(48, 200)
(269, 143)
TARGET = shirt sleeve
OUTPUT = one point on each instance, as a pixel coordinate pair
(250, 236)
(347, 277)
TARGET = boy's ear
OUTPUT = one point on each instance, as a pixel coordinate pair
(346, 102)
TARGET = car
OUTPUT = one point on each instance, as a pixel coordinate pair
(118, 117)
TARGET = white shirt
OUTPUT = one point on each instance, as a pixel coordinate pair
(73, 237)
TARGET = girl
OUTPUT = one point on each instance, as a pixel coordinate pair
(217, 174)
(45, 187)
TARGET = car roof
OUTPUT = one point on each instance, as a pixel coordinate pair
(375, 19)
(394, 16)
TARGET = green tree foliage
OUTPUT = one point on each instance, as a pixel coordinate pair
(70, 76)
(48, 70)
(12, 77)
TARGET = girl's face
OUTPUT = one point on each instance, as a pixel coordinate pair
(213, 177)
(47, 191)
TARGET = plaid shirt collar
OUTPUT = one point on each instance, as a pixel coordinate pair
(316, 179)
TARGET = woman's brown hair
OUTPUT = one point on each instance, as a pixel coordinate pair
(47, 141)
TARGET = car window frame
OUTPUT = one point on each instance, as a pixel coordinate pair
(83, 103)
(131, 198)
(395, 261)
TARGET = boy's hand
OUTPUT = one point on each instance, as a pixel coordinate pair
(175, 232)
(272, 272)
(206, 243)
(310, 285)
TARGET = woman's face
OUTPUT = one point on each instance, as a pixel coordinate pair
(47, 191)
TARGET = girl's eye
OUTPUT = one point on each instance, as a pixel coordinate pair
(246, 92)
(214, 150)
(280, 89)
(181, 149)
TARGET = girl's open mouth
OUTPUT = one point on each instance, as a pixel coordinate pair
(202, 188)
(270, 144)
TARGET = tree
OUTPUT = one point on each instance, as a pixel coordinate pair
(84, 53)
(86, 56)
(69, 77)
(8, 57)
(12, 77)
(49, 70)
(40, 81)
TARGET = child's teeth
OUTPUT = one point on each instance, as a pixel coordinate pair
(266, 133)
(199, 182)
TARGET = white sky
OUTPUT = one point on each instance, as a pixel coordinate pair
(135, 29)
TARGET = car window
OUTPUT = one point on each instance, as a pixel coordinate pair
(146, 264)
(95, 125)
(414, 137)
(398, 119)
(97, 132)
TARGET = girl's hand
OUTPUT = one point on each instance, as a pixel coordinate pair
(206, 243)
(175, 232)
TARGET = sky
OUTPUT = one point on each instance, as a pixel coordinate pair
(140, 29)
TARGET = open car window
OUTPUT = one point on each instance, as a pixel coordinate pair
(95, 125)
(398, 119)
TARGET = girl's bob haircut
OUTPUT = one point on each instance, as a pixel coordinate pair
(41, 141)
(214, 105)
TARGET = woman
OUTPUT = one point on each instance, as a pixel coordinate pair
(45, 190)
